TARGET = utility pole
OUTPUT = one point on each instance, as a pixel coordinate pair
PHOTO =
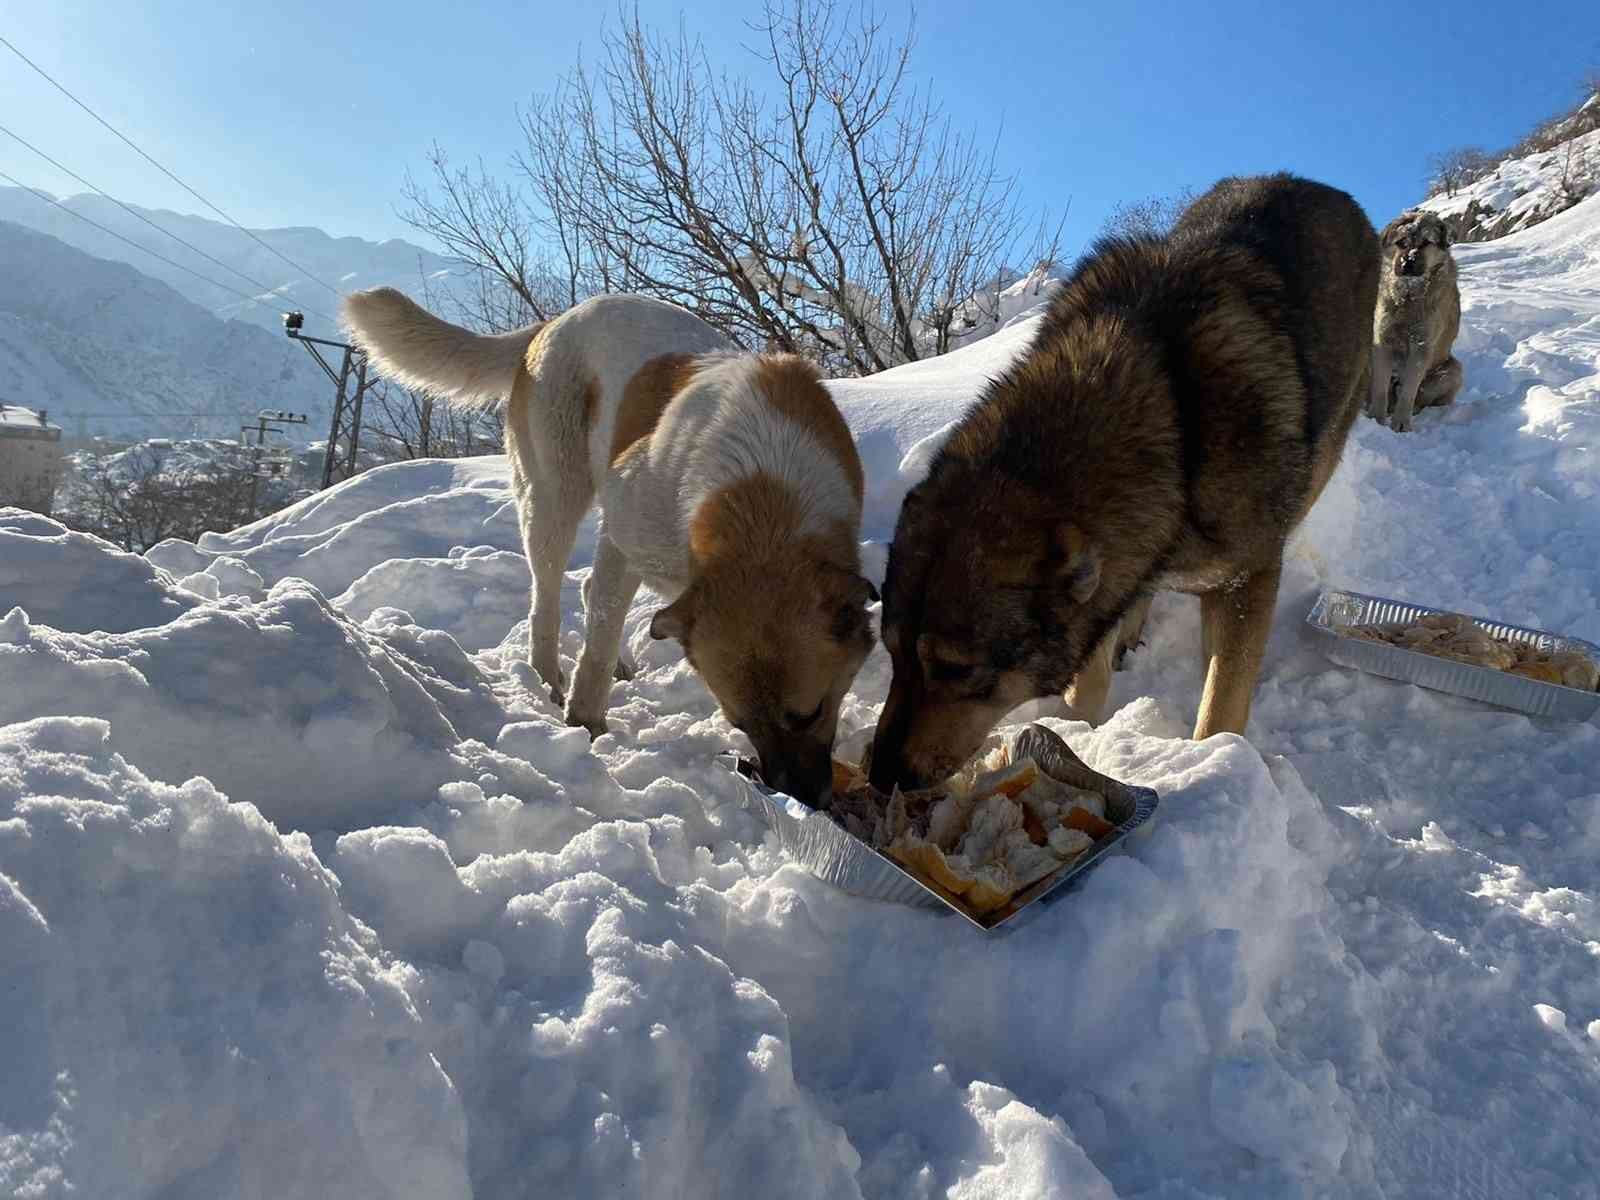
(275, 419)
(345, 432)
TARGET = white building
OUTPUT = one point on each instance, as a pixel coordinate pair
(30, 458)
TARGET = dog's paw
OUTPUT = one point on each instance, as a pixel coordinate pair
(557, 687)
(1120, 663)
(1400, 425)
(596, 725)
(624, 671)
(580, 719)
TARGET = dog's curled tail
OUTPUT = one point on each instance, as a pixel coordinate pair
(414, 348)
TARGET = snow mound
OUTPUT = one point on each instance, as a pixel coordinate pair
(293, 695)
(77, 582)
(186, 999)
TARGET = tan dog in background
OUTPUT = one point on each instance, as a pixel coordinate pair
(1417, 319)
(728, 483)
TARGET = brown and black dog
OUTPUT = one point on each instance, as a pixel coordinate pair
(1177, 415)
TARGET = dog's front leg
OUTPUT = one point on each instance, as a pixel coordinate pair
(1381, 384)
(1130, 631)
(1234, 627)
(1405, 391)
(607, 593)
(1086, 696)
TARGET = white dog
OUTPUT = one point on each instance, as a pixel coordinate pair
(729, 483)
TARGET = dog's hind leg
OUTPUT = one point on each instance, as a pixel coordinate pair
(1381, 384)
(553, 494)
(1405, 394)
(1440, 385)
(1234, 627)
(607, 593)
(548, 533)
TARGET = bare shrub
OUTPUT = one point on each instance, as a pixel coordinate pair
(139, 497)
(1153, 216)
(403, 423)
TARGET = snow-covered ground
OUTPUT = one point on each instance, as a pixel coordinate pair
(305, 891)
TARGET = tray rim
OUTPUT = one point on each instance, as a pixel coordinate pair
(1002, 920)
(1317, 620)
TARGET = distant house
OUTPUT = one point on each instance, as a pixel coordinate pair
(30, 458)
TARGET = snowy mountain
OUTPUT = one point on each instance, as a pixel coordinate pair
(345, 263)
(109, 350)
(305, 889)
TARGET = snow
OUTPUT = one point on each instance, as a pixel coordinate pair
(1519, 193)
(305, 890)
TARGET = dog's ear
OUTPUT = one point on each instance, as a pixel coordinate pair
(841, 585)
(1079, 569)
(843, 597)
(675, 620)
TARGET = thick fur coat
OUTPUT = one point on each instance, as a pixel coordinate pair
(1179, 411)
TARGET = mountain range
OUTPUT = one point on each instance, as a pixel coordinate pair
(115, 342)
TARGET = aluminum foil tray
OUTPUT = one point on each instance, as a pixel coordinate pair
(830, 853)
(1337, 611)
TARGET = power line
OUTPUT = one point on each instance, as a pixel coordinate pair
(89, 416)
(270, 249)
(47, 197)
(133, 212)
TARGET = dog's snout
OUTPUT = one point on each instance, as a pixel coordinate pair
(884, 772)
(804, 772)
(885, 759)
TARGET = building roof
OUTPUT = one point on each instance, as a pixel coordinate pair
(26, 423)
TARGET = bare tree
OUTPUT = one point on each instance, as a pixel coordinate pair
(412, 424)
(1451, 170)
(836, 212)
(488, 227)
(1577, 176)
(140, 497)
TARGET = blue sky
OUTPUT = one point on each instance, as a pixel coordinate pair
(296, 113)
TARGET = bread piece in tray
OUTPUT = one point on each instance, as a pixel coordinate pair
(995, 829)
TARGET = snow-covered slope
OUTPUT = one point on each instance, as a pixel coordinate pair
(346, 263)
(1521, 191)
(85, 335)
(1354, 956)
